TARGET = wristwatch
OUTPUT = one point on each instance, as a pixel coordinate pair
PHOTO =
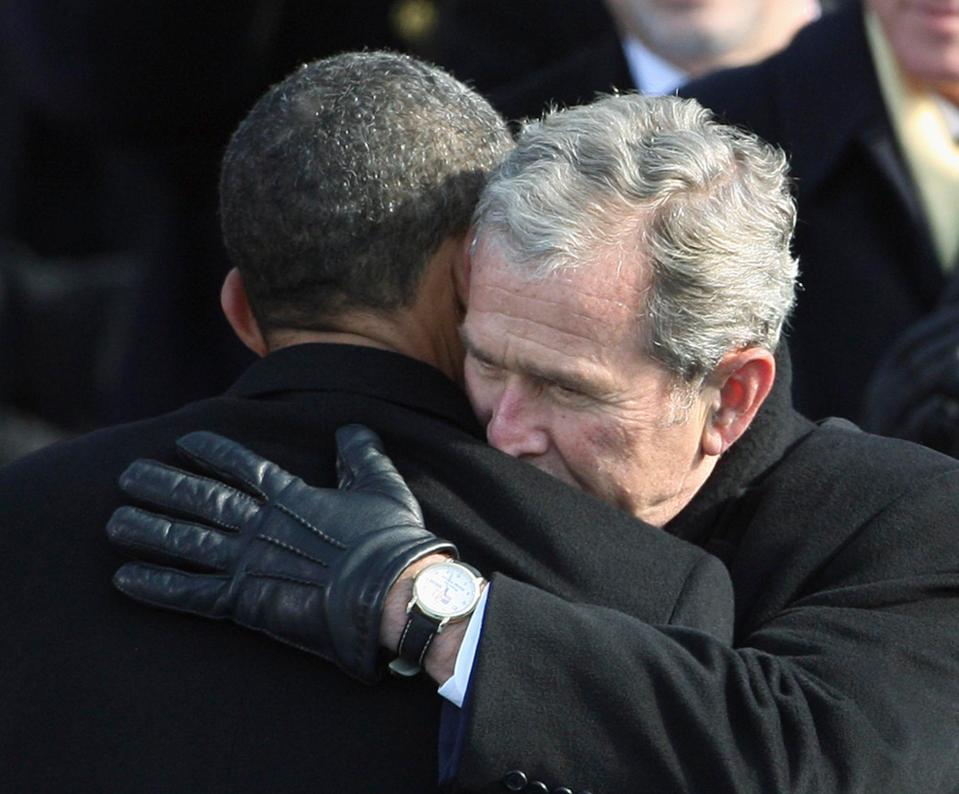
(443, 593)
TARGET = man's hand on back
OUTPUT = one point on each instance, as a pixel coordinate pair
(311, 567)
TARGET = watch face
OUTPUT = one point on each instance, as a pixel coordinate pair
(446, 590)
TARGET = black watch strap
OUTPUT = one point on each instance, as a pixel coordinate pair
(414, 642)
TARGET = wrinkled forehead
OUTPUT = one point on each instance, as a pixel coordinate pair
(623, 260)
(601, 299)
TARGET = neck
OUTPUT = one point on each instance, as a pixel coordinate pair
(427, 330)
(661, 513)
(383, 333)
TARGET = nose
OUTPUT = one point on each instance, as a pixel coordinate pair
(517, 424)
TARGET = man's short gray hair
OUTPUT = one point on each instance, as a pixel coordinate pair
(657, 182)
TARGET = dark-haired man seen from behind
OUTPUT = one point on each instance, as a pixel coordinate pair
(630, 278)
(346, 197)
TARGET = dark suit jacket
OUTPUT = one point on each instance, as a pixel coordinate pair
(98, 693)
(843, 675)
(868, 267)
(491, 44)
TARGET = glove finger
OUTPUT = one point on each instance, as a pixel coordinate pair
(234, 463)
(362, 465)
(197, 497)
(198, 594)
(141, 532)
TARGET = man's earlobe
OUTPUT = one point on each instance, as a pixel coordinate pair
(743, 380)
(239, 313)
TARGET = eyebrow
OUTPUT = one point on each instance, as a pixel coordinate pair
(567, 380)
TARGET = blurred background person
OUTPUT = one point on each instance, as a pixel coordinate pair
(864, 102)
(525, 61)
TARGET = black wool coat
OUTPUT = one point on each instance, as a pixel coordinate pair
(868, 267)
(101, 694)
(843, 674)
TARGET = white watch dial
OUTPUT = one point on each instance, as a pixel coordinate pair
(446, 590)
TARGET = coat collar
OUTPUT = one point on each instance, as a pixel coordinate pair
(775, 429)
(365, 371)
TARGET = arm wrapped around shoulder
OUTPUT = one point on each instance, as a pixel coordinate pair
(250, 542)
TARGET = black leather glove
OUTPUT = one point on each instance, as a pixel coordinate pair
(311, 567)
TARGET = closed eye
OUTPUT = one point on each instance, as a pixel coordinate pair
(484, 368)
(567, 394)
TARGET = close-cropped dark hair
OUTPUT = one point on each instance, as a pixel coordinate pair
(345, 178)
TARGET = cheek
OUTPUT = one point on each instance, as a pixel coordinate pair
(609, 439)
(606, 448)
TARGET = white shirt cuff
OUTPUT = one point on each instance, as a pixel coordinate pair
(454, 690)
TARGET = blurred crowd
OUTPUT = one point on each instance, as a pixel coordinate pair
(116, 115)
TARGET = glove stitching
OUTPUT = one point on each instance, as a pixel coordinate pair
(332, 541)
(293, 549)
(279, 638)
(283, 578)
(225, 524)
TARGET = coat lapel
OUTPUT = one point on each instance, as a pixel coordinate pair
(827, 123)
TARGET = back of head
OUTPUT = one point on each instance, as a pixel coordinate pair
(657, 183)
(345, 178)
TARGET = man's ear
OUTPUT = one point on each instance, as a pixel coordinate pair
(741, 382)
(239, 313)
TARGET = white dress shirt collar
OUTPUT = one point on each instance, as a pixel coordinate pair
(655, 76)
(651, 74)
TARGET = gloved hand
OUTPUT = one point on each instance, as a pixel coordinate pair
(311, 567)
(914, 390)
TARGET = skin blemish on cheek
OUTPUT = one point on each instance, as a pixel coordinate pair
(608, 435)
